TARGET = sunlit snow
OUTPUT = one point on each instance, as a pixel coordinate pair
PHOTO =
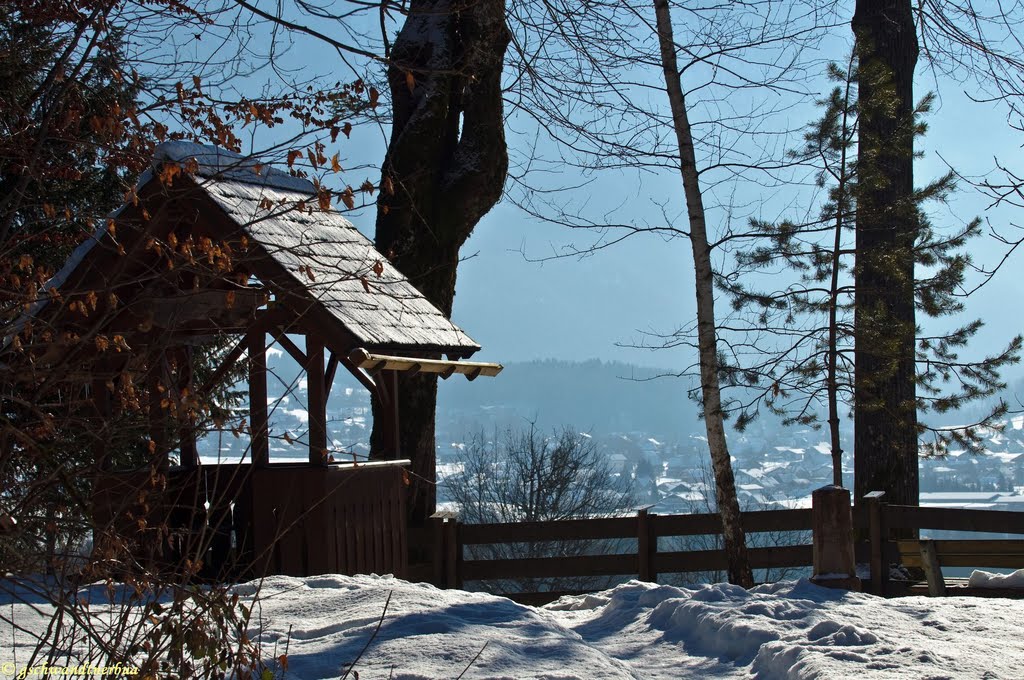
(791, 629)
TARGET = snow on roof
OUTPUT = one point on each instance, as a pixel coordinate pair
(383, 310)
(380, 310)
(221, 164)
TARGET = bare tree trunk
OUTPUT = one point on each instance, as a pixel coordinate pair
(885, 420)
(842, 214)
(725, 483)
(445, 169)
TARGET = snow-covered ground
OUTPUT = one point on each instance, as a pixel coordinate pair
(787, 630)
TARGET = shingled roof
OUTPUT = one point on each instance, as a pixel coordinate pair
(325, 253)
(322, 253)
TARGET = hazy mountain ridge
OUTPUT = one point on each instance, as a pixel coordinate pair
(591, 395)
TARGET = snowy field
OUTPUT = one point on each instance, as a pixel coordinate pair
(791, 629)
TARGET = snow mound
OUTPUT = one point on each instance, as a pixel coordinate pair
(985, 579)
(424, 632)
(794, 630)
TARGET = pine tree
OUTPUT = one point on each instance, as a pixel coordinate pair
(818, 311)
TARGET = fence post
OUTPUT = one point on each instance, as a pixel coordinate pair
(877, 535)
(453, 553)
(646, 546)
(833, 539)
(437, 531)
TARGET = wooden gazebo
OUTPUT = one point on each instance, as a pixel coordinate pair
(213, 245)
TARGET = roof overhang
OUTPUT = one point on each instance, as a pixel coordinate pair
(444, 368)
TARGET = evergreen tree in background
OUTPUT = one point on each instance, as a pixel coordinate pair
(818, 311)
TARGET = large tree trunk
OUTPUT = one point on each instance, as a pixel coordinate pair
(446, 161)
(725, 483)
(885, 419)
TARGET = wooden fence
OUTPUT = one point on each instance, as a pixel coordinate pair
(635, 539)
(888, 522)
(244, 521)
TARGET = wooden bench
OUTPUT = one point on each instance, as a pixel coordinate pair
(932, 555)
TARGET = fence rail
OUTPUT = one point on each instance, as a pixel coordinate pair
(632, 547)
(637, 553)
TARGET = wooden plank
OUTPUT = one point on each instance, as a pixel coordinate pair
(549, 567)
(980, 547)
(777, 520)
(692, 525)
(760, 558)
(1012, 561)
(1008, 554)
(557, 530)
(316, 398)
(378, 362)
(711, 523)
(932, 569)
(954, 519)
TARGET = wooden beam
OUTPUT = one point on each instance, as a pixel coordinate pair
(381, 362)
(157, 420)
(316, 400)
(259, 435)
(189, 453)
(329, 373)
(225, 366)
(289, 346)
(360, 375)
(105, 410)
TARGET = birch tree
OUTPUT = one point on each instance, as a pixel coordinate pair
(707, 343)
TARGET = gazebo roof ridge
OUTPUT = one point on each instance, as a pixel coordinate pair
(216, 163)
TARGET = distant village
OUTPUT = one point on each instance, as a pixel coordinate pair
(775, 468)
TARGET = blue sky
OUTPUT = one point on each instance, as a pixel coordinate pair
(579, 308)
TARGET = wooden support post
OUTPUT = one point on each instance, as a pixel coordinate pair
(646, 545)
(259, 451)
(316, 397)
(932, 569)
(877, 534)
(832, 520)
(387, 391)
(157, 387)
(104, 410)
(186, 420)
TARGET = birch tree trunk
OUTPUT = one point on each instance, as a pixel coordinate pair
(445, 168)
(725, 483)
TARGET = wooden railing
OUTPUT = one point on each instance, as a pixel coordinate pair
(632, 545)
(886, 522)
(629, 546)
